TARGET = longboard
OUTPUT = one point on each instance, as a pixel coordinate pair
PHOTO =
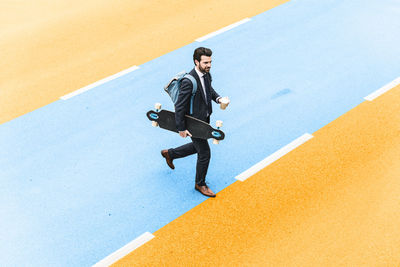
(165, 119)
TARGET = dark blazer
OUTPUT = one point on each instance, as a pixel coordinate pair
(200, 105)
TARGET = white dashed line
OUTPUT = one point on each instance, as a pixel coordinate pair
(383, 90)
(273, 157)
(93, 85)
(227, 28)
(122, 252)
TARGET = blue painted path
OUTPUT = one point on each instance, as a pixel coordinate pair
(83, 177)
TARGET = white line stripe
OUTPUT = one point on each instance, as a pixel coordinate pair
(227, 28)
(93, 85)
(273, 157)
(383, 90)
(122, 252)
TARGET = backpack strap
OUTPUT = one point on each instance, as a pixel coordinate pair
(194, 82)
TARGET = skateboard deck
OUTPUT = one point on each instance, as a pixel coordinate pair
(198, 128)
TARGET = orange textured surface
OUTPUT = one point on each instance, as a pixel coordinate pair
(52, 48)
(334, 201)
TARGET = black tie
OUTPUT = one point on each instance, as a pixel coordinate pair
(208, 92)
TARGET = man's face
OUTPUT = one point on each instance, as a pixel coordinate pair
(204, 65)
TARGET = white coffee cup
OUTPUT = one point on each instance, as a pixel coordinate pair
(224, 102)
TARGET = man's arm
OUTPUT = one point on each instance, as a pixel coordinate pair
(183, 104)
(214, 95)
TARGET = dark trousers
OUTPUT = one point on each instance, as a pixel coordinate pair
(199, 146)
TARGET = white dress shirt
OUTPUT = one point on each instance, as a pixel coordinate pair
(201, 76)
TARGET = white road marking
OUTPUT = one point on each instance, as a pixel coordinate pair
(93, 85)
(227, 28)
(383, 90)
(273, 157)
(122, 252)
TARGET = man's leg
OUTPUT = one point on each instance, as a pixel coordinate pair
(176, 153)
(182, 151)
(203, 160)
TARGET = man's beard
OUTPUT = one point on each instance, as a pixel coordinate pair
(205, 70)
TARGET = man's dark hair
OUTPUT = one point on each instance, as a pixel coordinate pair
(201, 51)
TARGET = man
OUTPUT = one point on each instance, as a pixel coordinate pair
(202, 110)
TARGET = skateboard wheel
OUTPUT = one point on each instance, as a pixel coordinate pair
(154, 116)
(215, 142)
(154, 123)
(219, 123)
(216, 134)
(157, 106)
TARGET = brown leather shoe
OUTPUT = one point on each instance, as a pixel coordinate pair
(165, 154)
(205, 190)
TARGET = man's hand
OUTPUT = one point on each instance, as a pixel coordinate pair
(185, 133)
(224, 102)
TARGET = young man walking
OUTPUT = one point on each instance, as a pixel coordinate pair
(202, 109)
